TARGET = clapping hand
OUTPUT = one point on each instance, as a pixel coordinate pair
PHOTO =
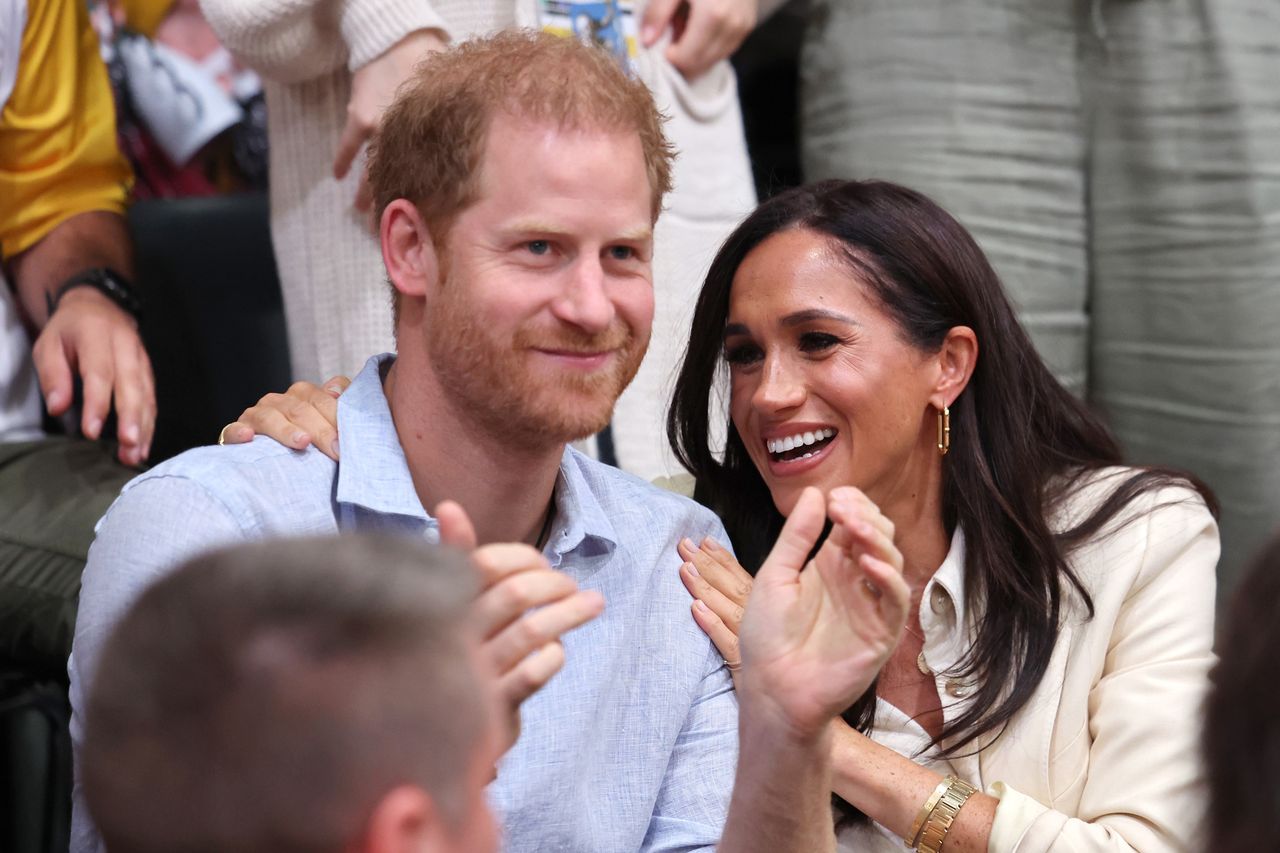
(814, 636)
(523, 608)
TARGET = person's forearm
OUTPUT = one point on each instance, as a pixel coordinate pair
(86, 240)
(782, 792)
(890, 789)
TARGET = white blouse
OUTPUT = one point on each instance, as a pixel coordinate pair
(948, 632)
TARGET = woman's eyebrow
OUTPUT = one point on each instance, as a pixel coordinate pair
(733, 329)
(811, 314)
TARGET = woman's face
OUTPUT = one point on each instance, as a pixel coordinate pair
(825, 391)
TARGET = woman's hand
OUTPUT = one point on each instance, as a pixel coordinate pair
(814, 636)
(720, 587)
(304, 415)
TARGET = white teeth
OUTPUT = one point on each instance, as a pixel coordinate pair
(807, 455)
(791, 442)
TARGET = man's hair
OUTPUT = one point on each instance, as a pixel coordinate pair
(428, 148)
(267, 696)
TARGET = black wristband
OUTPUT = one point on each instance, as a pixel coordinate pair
(104, 279)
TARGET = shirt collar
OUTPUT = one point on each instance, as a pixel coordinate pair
(943, 606)
(373, 472)
(581, 524)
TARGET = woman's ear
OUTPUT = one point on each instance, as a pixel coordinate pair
(408, 250)
(957, 358)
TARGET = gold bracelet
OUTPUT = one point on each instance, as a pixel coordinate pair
(926, 810)
(944, 814)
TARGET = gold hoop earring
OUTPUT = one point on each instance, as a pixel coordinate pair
(944, 430)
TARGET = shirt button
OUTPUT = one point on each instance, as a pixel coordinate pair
(957, 688)
(939, 601)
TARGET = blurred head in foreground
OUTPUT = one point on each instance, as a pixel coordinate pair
(1241, 728)
(296, 695)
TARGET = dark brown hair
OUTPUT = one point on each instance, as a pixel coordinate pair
(266, 697)
(1241, 726)
(1023, 442)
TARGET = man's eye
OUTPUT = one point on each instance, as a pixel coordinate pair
(538, 247)
(622, 253)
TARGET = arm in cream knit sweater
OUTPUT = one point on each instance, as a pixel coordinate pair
(291, 41)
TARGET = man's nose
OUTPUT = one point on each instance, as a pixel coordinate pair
(585, 302)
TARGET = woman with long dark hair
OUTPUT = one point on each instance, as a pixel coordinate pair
(1046, 693)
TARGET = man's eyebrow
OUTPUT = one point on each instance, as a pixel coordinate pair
(534, 226)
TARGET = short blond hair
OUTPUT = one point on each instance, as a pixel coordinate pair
(429, 146)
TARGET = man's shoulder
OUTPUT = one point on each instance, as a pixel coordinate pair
(616, 490)
(243, 474)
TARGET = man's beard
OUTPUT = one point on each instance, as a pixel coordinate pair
(492, 382)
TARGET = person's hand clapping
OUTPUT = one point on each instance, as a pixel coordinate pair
(813, 637)
(523, 609)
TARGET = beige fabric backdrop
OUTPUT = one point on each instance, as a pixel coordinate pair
(1119, 161)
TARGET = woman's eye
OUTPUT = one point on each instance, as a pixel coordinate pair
(538, 247)
(817, 341)
(742, 354)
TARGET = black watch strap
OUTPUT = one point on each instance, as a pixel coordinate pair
(104, 279)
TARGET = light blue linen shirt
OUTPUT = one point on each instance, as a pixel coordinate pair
(632, 746)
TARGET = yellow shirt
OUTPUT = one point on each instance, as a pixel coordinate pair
(58, 152)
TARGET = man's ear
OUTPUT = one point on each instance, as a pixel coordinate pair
(957, 358)
(405, 820)
(407, 249)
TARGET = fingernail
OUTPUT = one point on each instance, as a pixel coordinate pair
(54, 400)
(692, 569)
(708, 542)
(335, 447)
(702, 608)
(129, 434)
(299, 438)
(93, 427)
(333, 390)
(688, 543)
(648, 33)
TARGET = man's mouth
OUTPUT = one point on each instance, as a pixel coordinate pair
(582, 359)
(800, 445)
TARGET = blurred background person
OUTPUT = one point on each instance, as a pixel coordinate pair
(1242, 730)
(1116, 159)
(323, 694)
